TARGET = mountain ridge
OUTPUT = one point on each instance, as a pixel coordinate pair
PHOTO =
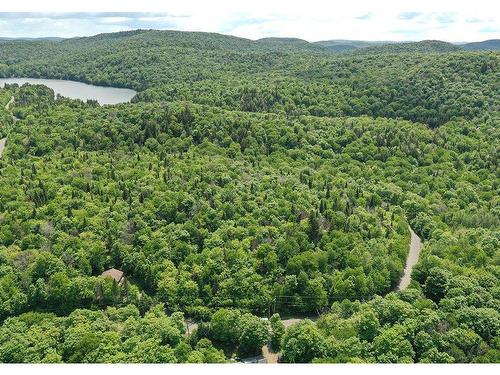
(281, 43)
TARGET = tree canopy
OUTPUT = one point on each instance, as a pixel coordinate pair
(247, 181)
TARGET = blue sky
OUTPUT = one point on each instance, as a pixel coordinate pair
(311, 20)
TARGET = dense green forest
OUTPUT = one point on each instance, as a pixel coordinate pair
(267, 76)
(249, 180)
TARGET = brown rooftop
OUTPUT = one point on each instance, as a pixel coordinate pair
(114, 273)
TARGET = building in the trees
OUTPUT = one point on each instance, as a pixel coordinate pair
(117, 275)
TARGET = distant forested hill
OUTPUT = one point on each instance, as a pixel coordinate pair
(487, 45)
(291, 44)
(425, 46)
(271, 75)
(340, 45)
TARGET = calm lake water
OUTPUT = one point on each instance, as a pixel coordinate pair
(78, 90)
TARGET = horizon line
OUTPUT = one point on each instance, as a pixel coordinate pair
(254, 40)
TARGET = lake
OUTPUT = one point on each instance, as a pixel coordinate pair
(78, 90)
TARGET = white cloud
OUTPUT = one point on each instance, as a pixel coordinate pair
(310, 20)
(114, 19)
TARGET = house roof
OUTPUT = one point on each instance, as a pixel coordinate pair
(114, 273)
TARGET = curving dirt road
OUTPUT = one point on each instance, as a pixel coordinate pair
(9, 103)
(411, 260)
(2, 145)
(269, 356)
(4, 140)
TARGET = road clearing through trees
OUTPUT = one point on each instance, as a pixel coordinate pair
(3, 141)
(411, 260)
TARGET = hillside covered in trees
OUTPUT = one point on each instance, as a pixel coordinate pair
(249, 180)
